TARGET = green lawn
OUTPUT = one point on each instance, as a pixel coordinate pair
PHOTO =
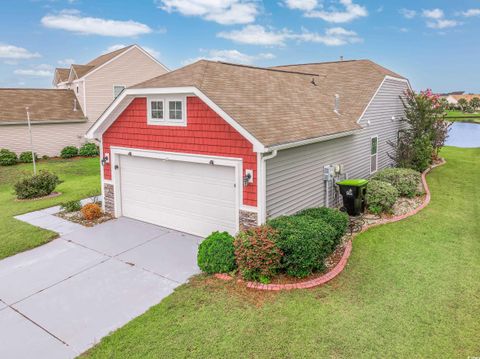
(411, 289)
(459, 116)
(81, 178)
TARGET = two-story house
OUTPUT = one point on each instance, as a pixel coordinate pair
(61, 116)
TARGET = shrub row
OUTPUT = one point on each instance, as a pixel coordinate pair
(296, 245)
(86, 150)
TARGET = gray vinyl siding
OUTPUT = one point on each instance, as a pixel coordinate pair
(294, 178)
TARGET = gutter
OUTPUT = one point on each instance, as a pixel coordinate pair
(41, 122)
(284, 146)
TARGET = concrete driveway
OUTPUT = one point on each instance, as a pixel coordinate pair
(58, 300)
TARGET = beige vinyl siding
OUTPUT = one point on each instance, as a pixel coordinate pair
(48, 139)
(294, 177)
(128, 69)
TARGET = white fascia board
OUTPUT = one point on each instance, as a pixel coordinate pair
(387, 77)
(309, 141)
(106, 118)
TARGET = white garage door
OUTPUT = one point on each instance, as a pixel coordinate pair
(190, 197)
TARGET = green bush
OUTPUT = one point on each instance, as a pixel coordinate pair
(216, 253)
(7, 158)
(338, 220)
(305, 243)
(89, 150)
(39, 185)
(26, 157)
(69, 152)
(257, 255)
(405, 180)
(422, 157)
(380, 196)
(71, 206)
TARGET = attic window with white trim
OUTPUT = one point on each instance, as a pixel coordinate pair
(166, 110)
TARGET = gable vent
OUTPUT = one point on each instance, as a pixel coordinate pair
(336, 107)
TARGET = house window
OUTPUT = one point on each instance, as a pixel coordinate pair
(373, 154)
(156, 111)
(175, 108)
(166, 110)
(117, 90)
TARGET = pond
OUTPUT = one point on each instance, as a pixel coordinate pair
(464, 135)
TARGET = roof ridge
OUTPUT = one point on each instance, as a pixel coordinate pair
(265, 68)
(319, 63)
(33, 88)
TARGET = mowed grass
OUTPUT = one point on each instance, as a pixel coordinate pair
(81, 178)
(459, 116)
(411, 289)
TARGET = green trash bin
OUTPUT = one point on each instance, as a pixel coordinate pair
(353, 193)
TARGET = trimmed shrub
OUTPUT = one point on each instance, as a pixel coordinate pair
(71, 206)
(35, 186)
(26, 157)
(91, 211)
(338, 220)
(405, 180)
(69, 152)
(257, 255)
(89, 150)
(7, 158)
(380, 196)
(216, 253)
(305, 243)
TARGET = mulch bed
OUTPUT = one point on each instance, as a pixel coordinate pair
(77, 217)
(51, 195)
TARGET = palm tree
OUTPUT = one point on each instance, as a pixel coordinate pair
(475, 103)
(463, 103)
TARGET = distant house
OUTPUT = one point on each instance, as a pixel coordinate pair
(61, 116)
(218, 146)
(453, 99)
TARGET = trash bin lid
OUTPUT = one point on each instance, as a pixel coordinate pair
(356, 182)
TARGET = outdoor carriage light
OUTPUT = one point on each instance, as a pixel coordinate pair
(105, 159)
(248, 178)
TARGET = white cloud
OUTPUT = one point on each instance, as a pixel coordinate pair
(352, 11)
(225, 12)
(471, 13)
(66, 62)
(115, 47)
(73, 21)
(42, 70)
(305, 5)
(407, 13)
(14, 52)
(258, 35)
(436, 19)
(234, 56)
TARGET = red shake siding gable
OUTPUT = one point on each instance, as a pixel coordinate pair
(206, 133)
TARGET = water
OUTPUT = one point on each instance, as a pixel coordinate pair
(464, 135)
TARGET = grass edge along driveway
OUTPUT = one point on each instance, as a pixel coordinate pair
(411, 289)
(81, 178)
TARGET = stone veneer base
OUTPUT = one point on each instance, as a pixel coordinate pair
(348, 249)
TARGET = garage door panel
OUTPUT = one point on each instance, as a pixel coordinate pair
(191, 197)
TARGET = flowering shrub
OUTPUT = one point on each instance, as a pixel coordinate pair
(91, 211)
(257, 255)
(426, 131)
(405, 180)
(380, 197)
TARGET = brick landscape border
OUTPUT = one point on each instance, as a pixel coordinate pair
(348, 249)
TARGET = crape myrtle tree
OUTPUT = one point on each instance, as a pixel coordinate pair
(425, 132)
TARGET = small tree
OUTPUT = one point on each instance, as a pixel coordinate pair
(475, 103)
(426, 131)
(463, 103)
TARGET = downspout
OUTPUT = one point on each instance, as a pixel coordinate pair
(263, 205)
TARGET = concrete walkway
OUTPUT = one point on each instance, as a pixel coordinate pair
(58, 300)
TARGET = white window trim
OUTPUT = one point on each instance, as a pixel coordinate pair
(113, 90)
(166, 121)
(376, 155)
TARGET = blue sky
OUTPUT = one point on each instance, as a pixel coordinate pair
(433, 43)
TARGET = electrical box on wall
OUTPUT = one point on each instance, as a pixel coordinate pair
(328, 173)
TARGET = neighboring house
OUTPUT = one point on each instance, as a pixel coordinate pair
(88, 89)
(218, 146)
(453, 99)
